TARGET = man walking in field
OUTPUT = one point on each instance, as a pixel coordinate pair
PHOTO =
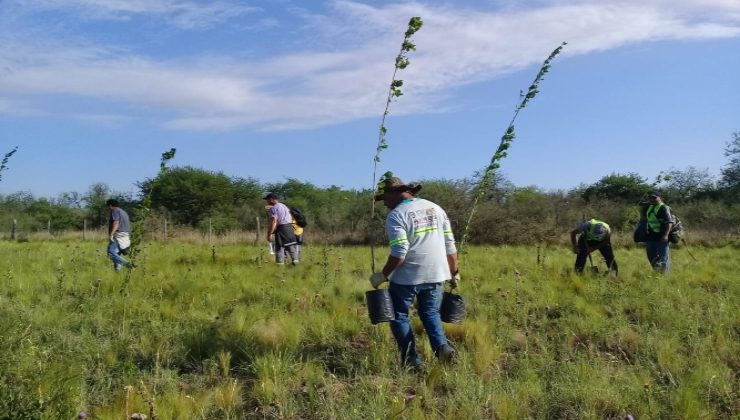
(422, 257)
(281, 226)
(594, 234)
(118, 235)
(659, 224)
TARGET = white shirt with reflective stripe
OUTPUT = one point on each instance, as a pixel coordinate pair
(420, 233)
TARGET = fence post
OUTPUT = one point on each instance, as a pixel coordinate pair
(12, 230)
(210, 230)
(165, 229)
(257, 219)
(48, 227)
(84, 229)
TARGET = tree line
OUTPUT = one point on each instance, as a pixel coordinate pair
(201, 199)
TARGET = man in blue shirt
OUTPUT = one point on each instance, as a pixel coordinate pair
(118, 232)
(422, 257)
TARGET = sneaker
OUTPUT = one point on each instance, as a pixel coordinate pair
(446, 354)
(295, 262)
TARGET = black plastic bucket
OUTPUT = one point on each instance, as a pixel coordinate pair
(640, 234)
(452, 309)
(379, 306)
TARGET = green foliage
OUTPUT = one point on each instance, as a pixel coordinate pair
(36, 213)
(95, 199)
(190, 195)
(682, 186)
(618, 187)
(394, 90)
(730, 181)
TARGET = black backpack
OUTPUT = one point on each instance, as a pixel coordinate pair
(300, 218)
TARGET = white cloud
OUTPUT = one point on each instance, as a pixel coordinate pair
(182, 13)
(456, 46)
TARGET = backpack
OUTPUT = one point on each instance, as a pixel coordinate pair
(676, 234)
(300, 218)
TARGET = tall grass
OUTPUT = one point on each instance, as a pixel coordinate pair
(239, 337)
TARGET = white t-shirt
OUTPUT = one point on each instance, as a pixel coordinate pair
(420, 233)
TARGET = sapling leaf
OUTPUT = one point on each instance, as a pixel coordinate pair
(4, 163)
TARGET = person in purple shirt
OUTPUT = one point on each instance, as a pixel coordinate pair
(281, 226)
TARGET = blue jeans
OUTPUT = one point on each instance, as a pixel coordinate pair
(115, 256)
(659, 255)
(429, 298)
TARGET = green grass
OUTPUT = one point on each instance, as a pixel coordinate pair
(236, 336)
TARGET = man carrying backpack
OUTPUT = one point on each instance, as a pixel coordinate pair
(659, 224)
(594, 234)
(281, 226)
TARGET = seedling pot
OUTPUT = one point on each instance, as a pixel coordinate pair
(379, 306)
(452, 309)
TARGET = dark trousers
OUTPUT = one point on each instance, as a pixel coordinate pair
(586, 247)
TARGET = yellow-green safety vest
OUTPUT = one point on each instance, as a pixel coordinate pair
(591, 232)
(653, 223)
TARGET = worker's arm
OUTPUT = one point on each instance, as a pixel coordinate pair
(272, 228)
(452, 262)
(391, 264)
(114, 229)
(573, 241)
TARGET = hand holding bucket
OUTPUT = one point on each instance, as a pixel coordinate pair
(379, 303)
(455, 280)
(452, 310)
(376, 279)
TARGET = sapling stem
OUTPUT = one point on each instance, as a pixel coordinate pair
(505, 143)
(394, 91)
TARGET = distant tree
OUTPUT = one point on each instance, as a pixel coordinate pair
(499, 186)
(730, 181)
(34, 214)
(58, 216)
(95, 207)
(71, 199)
(620, 187)
(691, 183)
(452, 195)
(189, 194)
(246, 190)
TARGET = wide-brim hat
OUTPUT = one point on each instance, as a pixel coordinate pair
(396, 185)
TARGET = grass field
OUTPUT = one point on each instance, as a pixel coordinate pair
(206, 332)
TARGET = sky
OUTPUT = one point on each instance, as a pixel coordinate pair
(96, 90)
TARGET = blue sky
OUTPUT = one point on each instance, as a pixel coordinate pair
(95, 90)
